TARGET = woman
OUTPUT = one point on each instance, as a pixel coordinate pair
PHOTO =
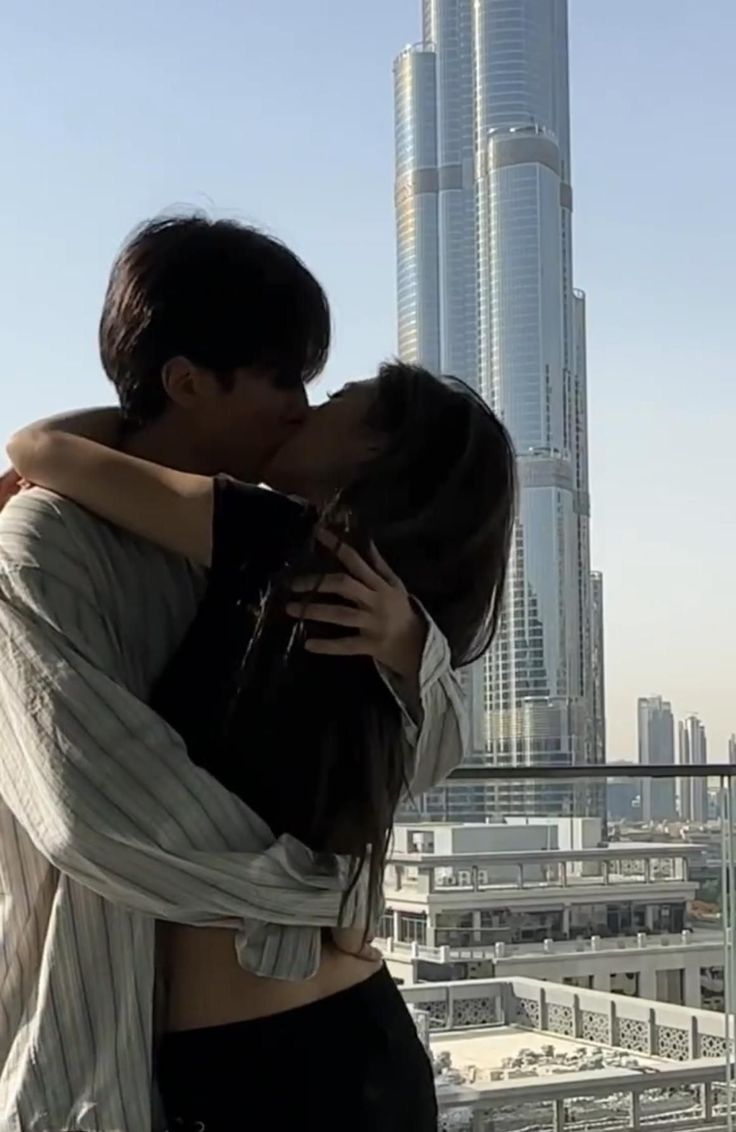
(422, 468)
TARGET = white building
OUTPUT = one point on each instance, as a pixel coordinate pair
(542, 899)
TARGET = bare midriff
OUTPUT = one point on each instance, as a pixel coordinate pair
(206, 986)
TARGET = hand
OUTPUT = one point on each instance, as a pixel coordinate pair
(10, 484)
(351, 941)
(388, 627)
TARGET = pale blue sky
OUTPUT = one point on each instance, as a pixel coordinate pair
(280, 112)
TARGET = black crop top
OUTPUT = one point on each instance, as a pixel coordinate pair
(280, 733)
(255, 534)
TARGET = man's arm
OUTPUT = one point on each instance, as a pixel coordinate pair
(103, 786)
(172, 508)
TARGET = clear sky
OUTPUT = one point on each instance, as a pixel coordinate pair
(280, 112)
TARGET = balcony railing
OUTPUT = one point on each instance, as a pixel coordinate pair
(574, 948)
(546, 869)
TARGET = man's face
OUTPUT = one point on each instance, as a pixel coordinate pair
(334, 441)
(246, 424)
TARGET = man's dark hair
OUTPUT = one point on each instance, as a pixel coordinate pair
(217, 292)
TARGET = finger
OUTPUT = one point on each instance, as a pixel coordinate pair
(351, 560)
(383, 567)
(10, 483)
(347, 615)
(358, 645)
(342, 584)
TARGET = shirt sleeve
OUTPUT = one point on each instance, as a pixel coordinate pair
(104, 787)
(437, 728)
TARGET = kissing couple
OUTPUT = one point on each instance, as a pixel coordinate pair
(232, 629)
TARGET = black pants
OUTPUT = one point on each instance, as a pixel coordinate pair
(348, 1063)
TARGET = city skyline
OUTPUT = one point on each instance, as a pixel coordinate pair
(712, 754)
(484, 203)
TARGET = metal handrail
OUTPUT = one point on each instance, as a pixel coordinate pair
(481, 774)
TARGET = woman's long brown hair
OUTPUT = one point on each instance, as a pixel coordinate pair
(330, 761)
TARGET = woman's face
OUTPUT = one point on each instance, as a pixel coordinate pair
(323, 455)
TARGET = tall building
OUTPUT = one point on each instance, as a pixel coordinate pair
(657, 746)
(598, 671)
(732, 749)
(693, 751)
(485, 291)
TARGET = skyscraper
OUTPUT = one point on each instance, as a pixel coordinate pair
(657, 747)
(693, 751)
(598, 671)
(485, 291)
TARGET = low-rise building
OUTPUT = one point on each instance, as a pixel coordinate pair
(545, 899)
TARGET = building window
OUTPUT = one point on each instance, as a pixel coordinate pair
(454, 929)
(625, 982)
(412, 929)
(671, 986)
(578, 981)
(386, 925)
(668, 918)
(712, 992)
(420, 841)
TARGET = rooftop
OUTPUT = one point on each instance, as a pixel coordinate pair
(510, 1053)
(543, 1057)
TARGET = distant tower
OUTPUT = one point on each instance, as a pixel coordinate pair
(657, 747)
(598, 666)
(693, 792)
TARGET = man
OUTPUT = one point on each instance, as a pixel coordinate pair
(208, 333)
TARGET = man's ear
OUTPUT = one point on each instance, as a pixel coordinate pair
(177, 378)
(187, 384)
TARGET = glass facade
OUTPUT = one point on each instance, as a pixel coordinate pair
(416, 206)
(488, 926)
(692, 801)
(598, 667)
(486, 292)
(656, 736)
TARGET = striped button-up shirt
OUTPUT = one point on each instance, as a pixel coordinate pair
(106, 825)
